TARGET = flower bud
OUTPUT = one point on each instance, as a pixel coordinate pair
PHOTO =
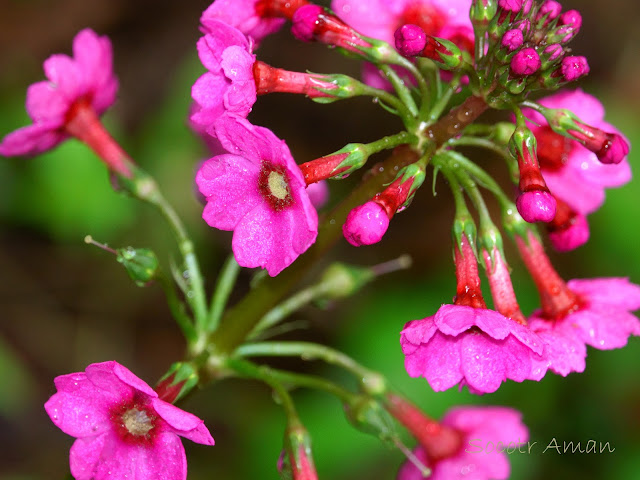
(366, 224)
(574, 67)
(536, 206)
(181, 378)
(410, 40)
(512, 40)
(549, 9)
(569, 229)
(525, 62)
(369, 416)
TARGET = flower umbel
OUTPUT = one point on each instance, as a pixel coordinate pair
(123, 429)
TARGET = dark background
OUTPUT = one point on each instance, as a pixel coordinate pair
(65, 305)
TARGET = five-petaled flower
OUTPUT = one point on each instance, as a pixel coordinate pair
(258, 191)
(84, 83)
(123, 429)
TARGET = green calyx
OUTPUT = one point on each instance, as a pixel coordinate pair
(369, 416)
(140, 263)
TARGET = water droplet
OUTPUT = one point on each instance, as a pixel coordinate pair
(191, 294)
(332, 221)
(186, 274)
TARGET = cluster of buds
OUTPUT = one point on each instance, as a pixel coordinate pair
(527, 49)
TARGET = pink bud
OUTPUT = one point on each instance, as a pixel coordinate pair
(574, 235)
(574, 67)
(525, 62)
(365, 224)
(614, 149)
(536, 206)
(550, 8)
(512, 40)
(571, 18)
(510, 5)
(304, 22)
(554, 52)
(410, 40)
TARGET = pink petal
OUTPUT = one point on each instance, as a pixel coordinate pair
(568, 185)
(438, 362)
(615, 292)
(242, 15)
(237, 65)
(85, 455)
(184, 423)
(230, 185)
(263, 238)
(304, 221)
(65, 75)
(208, 91)
(472, 466)
(596, 173)
(486, 363)
(46, 104)
(418, 331)
(563, 352)
(164, 460)
(586, 107)
(31, 140)
(238, 136)
(497, 424)
(455, 319)
(125, 375)
(372, 18)
(93, 56)
(80, 408)
(604, 329)
(105, 96)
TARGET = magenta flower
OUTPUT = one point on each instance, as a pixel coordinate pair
(572, 172)
(229, 85)
(380, 19)
(462, 345)
(486, 432)
(257, 191)
(241, 14)
(123, 429)
(601, 317)
(563, 352)
(84, 81)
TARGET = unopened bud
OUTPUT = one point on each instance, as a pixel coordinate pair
(140, 263)
(366, 224)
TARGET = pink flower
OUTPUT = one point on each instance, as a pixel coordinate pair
(123, 429)
(601, 317)
(381, 18)
(241, 14)
(366, 224)
(572, 172)
(85, 80)
(563, 352)
(486, 432)
(462, 345)
(257, 191)
(229, 85)
(318, 193)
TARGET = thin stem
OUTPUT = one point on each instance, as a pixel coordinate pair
(443, 101)
(267, 374)
(487, 144)
(290, 305)
(311, 351)
(410, 66)
(483, 177)
(195, 295)
(390, 141)
(387, 98)
(401, 89)
(476, 197)
(226, 281)
(177, 308)
(440, 161)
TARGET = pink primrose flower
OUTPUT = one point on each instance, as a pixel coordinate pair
(477, 347)
(245, 15)
(229, 85)
(486, 432)
(258, 191)
(85, 80)
(572, 172)
(602, 317)
(123, 429)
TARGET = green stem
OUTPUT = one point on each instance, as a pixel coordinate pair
(290, 305)
(195, 295)
(313, 351)
(476, 197)
(226, 281)
(443, 101)
(401, 89)
(177, 308)
(271, 375)
(387, 98)
(487, 144)
(483, 177)
(265, 374)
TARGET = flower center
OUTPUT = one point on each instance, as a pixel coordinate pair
(135, 422)
(553, 148)
(274, 186)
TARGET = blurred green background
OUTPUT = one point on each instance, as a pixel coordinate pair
(66, 304)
